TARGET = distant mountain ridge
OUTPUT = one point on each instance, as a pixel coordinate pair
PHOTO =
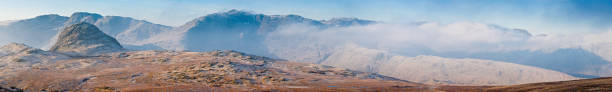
(247, 32)
(127, 30)
(44, 26)
(439, 70)
(238, 30)
(135, 33)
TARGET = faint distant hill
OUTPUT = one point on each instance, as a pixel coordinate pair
(439, 70)
(36, 31)
(574, 61)
(39, 31)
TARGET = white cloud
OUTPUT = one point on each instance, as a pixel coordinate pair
(600, 44)
(461, 36)
(464, 37)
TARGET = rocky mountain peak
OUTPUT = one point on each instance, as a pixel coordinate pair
(83, 14)
(78, 17)
(84, 39)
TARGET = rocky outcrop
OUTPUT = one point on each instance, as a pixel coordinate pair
(84, 39)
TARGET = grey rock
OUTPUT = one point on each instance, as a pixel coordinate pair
(84, 39)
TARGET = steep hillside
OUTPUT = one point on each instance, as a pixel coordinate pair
(439, 70)
(84, 39)
(575, 61)
(236, 30)
(45, 26)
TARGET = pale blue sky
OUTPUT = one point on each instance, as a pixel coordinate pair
(537, 16)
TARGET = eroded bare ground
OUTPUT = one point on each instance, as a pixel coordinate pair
(197, 71)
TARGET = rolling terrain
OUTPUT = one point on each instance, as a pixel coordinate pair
(85, 59)
(289, 37)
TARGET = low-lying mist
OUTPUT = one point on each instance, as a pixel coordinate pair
(431, 37)
(573, 54)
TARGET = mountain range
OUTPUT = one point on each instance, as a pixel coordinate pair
(253, 33)
(86, 59)
(126, 30)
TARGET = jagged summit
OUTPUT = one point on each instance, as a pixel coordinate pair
(84, 39)
(78, 17)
